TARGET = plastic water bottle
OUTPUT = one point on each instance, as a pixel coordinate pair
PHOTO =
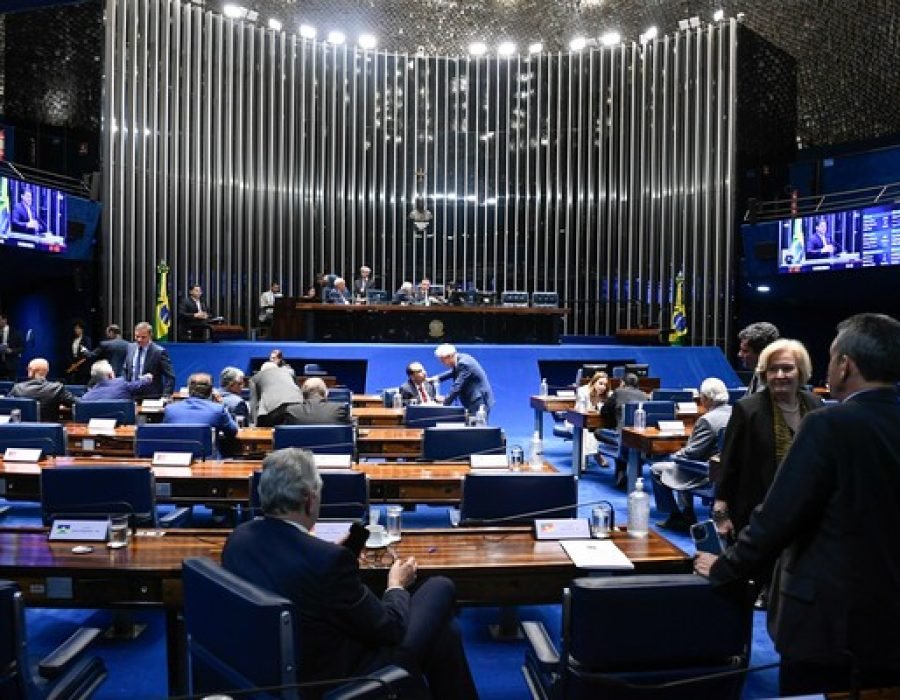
(536, 456)
(545, 388)
(640, 417)
(582, 403)
(481, 416)
(638, 510)
(398, 400)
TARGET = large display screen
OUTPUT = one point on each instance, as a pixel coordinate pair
(857, 238)
(32, 217)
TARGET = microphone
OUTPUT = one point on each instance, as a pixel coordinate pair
(552, 511)
(498, 450)
(96, 508)
(390, 691)
(197, 448)
(47, 445)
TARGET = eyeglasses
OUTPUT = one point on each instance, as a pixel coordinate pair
(785, 369)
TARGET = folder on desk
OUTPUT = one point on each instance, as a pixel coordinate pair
(671, 428)
(596, 555)
(565, 394)
(490, 462)
(332, 461)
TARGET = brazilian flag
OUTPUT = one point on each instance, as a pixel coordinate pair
(163, 315)
(679, 326)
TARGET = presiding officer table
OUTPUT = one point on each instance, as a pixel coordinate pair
(297, 319)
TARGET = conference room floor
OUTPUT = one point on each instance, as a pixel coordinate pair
(138, 667)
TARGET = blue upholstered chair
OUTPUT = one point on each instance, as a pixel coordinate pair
(675, 395)
(77, 390)
(6, 386)
(123, 410)
(517, 497)
(378, 296)
(736, 394)
(706, 488)
(427, 415)
(340, 394)
(321, 439)
(257, 643)
(64, 673)
(174, 437)
(454, 444)
(31, 411)
(624, 660)
(345, 495)
(609, 443)
(49, 437)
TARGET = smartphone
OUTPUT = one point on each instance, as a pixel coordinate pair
(706, 538)
(356, 539)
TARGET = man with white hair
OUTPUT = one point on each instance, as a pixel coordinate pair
(470, 383)
(49, 395)
(669, 478)
(404, 295)
(231, 386)
(339, 293)
(106, 386)
(364, 282)
(272, 391)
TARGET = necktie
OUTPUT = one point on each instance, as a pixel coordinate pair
(422, 393)
(139, 363)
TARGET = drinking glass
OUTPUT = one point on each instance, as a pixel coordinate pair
(600, 520)
(118, 532)
(393, 522)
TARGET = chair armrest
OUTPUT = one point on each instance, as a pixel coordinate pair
(176, 518)
(55, 663)
(694, 465)
(387, 682)
(544, 650)
(608, 435)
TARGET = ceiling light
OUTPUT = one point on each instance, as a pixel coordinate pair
(478, 48)
(578, 43)
(307, 31)
(610, 38)
(335, 37)
(507, 48)
(536, 47)
(367, 41)
(683, 24)
(694, 21)
(718, 15)
(650, 34)
(275, 24)
(763, 289)
(234, 11)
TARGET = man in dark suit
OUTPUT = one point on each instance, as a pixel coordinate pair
(11, 346)
(114, 349)
(339, 294)
(416, 387)
(316, 409)
(363, 282)
(830, 518)
(49, 395)
(272, 391)
(202, 407)
(821, 243)
(25, 217)
(146, 357)
(629, 391)
(106, 386)
(753, 340)
(346, 629)
(193, 315)
(470, 383)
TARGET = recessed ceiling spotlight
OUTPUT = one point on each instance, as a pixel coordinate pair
(307, 31)
(683, 24)
(536, 47)
(507, 48)
(335, 37)
(651, 33)
(367, 41)
(610, 38)
(234, 11)
(694, 21)
(578, 43)
(275, 24)
(478, 48)
(718, 15)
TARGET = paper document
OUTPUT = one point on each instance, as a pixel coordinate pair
(596, 554)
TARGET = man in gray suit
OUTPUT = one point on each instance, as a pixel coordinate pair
(316, 409)
(272, 391)
(668, 477)
(49, 395)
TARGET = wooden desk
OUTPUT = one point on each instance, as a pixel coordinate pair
(647, 442)
(389, 443)
(119, 443)
(548, 404)
(370, 400)
(378, 416)
(226, 331)
(583, 420)
(490, 566)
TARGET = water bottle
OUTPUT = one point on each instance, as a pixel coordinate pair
(15, 415)
(536, 456)
(481, 416)
(582, 403)
(638, 510)
(640, 417)
(545, 388)
(398, 400)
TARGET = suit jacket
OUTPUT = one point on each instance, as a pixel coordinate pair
(10, 356)
(816, 242)
(342, 624)
(197, 410)
(470, 384)
(20, 219)
(614, 407)
(236, 406)
(157, 363)
(831, 515)
(317, 412)
(748, 454)
(360, 286)
(114, 351)
(114, 389)
(409, 391)
(82, 373)
(187, 307)
(272, 388)
(49, 395)
(704, 440)
(335, 296)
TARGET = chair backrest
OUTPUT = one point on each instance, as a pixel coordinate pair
(31, 410)
(197, 439)
(49, 437)
(664, 646)
(321, 439)
(340, 394)
(220, 654)
(546, 299)
(313, 369)
(378, 296)
(460, 443)
(427, 415)
(345, 494)
(115, 490)
(513, 298)
(6, 386)
(77, 390)
(736, 394)
(387, 396)
(517, 497)
(675, 395)
(655, 410)
(123, 410)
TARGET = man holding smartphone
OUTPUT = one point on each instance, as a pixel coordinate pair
(830, 518)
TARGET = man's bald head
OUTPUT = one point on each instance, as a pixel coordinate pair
(38, 368)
